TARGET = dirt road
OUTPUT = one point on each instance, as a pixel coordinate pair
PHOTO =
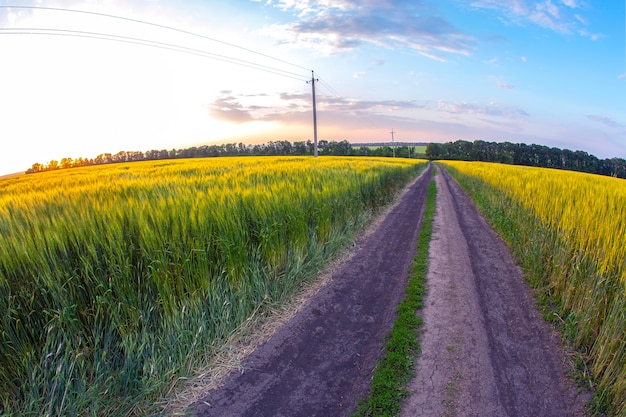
(485, 349)
(321, 362)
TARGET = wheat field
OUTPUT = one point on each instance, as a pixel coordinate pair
(117, 280)
(569, 231)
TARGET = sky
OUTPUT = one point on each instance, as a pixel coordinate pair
(103, 76)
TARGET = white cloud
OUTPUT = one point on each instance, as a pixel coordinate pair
(593, 36)
(605, 120)
(295, 107)
(556, 15)
(514, 7)
(581, 19)
(334, 26)
(501, 83)
(493, 109)
(548, 15)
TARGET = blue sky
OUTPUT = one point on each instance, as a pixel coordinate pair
(551, 72)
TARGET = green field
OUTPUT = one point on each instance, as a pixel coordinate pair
(417, 149)
(117, 281)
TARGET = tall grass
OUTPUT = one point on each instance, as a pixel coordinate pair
(569, 231)
(115, 281)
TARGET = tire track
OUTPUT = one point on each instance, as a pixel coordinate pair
(485, 349)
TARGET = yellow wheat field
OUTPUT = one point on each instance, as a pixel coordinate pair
(116, 279)
(576, 224)
(590, 210)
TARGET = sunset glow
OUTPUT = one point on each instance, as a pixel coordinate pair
(550, 72)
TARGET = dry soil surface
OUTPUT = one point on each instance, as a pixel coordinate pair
(485, 349)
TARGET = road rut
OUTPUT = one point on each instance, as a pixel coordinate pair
(485, 349)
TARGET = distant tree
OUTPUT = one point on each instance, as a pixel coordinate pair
(299, 148)
(281, 147)
(135, 156)
(434, 151)
(67, 163)
(120, 157)
(342, 148)
(103, 158)
(242, 149)
(530, 155)
(37, 167)
(363, 151)
(618, 167)
(479, 150)
(310, 147)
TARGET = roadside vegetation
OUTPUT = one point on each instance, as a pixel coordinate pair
(397, 366)
(568, 231)
(118, 281)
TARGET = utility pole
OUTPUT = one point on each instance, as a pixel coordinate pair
(393, 145)
(313, 80)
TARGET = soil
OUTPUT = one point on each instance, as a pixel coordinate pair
(485, 349)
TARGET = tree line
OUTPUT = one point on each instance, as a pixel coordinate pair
(479, 150)
(529, 155)
(283, 147)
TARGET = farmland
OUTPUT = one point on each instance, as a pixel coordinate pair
(568, 230)
(117, 280)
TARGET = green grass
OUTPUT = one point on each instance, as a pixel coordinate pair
(396, 368)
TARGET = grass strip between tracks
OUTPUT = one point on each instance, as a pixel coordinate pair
(396, 368)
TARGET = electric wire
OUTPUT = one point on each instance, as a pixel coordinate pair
(186, 32)
(147, 42)
(326, 86)
(178, 48)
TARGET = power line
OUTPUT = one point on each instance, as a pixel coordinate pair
(181, 48)
(333, 92)
(143, 22)
(162, 45)
(147, 42)
(168, 46)
(352, 114)
(331, 89)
